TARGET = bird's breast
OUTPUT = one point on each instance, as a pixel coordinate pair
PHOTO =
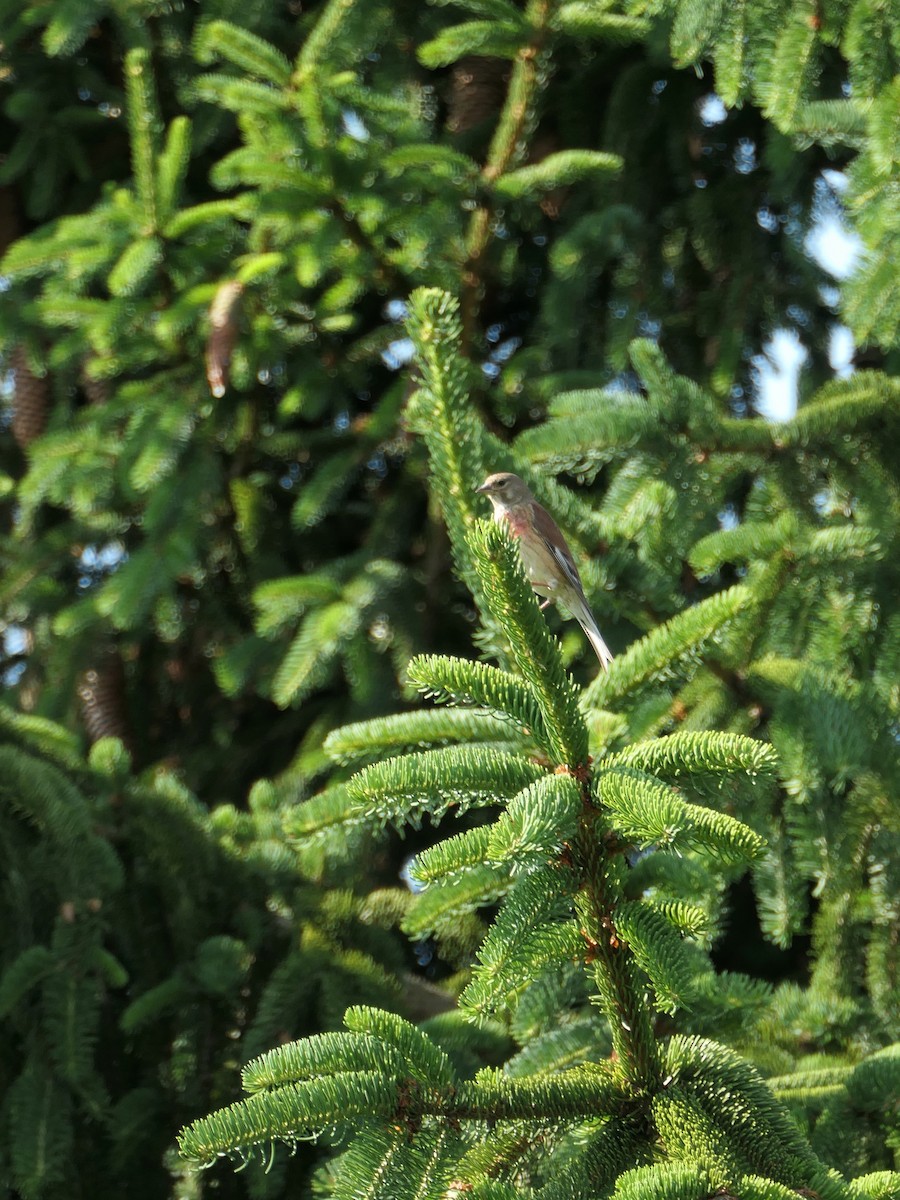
(535, 557)
(518, 524)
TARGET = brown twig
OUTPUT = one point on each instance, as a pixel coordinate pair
(506, 147)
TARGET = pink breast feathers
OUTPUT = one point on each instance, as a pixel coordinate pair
(518, 525)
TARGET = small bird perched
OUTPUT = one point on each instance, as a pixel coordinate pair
(545, 553)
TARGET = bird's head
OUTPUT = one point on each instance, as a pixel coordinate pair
(505, 490)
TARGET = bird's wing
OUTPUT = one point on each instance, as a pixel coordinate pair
(552, 537)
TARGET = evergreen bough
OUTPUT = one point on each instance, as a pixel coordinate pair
(653, 1108)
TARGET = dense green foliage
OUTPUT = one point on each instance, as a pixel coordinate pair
(610, 860)
(239, 537)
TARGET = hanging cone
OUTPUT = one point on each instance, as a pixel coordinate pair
(31, 396)
(477, 91)
(101, 690)
(223, 331)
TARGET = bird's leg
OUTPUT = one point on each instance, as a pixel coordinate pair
(538, 588)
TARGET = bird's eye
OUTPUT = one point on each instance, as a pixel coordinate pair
(501, 483)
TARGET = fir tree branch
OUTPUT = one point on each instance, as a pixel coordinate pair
(144, 127)
(440, 412)
(508, 697)
(409, 787)
(537, 656)
(297, 1110)
(416, 730)
(512, 603)
(614, 965)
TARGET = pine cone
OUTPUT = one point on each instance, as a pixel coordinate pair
(101, 690)
(30, 399)
(223, 331)
(477, 91)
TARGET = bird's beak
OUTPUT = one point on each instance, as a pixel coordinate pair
(484, 487)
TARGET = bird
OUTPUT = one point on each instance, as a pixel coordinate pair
(545, 554)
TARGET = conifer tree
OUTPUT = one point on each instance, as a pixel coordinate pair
(607, 860)
(236, 531)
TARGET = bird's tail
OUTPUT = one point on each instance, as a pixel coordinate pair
(593, 636)
(581, 611)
